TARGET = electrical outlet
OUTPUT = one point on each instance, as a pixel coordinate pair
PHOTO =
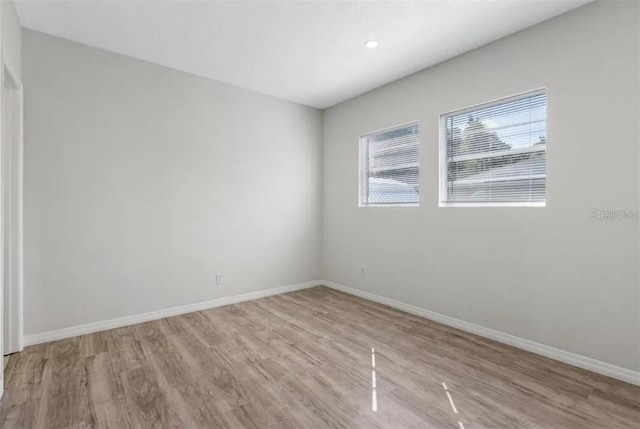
(218, 278)
(362, 271)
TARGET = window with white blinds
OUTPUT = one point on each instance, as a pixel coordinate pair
(495, 154)
(389, 167)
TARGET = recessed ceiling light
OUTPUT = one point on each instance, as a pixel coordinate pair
(371, 44)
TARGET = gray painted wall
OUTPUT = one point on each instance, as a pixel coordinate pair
(142, 182)
(551, 275)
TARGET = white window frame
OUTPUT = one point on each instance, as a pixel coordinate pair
(442, 170)
(363, 161)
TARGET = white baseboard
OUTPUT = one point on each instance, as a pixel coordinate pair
(580, 361)
(89, 328)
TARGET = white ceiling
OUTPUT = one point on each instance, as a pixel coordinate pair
(310, 52)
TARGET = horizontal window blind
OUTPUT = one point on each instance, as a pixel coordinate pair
(496, 153)
(389, 163)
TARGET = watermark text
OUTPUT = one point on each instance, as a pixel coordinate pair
(614, 215)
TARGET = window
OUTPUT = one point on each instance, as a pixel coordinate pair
(389, 167)
(495, 154)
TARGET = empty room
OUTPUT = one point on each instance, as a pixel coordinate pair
(320, 214)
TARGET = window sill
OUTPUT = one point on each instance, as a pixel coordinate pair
(387, 205)
(522, 204)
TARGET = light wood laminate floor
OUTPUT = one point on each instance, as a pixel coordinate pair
(316, 358)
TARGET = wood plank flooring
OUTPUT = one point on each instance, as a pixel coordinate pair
(316, 358)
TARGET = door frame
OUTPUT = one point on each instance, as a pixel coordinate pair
(15, 318)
